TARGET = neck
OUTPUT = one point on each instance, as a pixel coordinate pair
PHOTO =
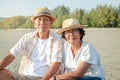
(43, 35)
(76, 47)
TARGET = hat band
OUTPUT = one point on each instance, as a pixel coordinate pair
(45, 13)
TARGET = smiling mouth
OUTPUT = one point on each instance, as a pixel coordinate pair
(72, 38)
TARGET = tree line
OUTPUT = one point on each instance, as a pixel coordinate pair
(105, 16)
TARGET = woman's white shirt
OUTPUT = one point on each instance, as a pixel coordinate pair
(87, 53)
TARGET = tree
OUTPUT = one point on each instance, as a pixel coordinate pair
(118, 17)
(81, 15)
(60, 10)
(61, 13)
(28, 23)
(102, 16)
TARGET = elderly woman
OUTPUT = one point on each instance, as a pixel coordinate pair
(81, 60)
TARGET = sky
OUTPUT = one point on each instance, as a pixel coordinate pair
(9, 8)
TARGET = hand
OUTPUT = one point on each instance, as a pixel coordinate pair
(52, 78)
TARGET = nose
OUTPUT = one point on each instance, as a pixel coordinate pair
(71, 33)
(41, 21)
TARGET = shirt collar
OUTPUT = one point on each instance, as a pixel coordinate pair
(51, 35)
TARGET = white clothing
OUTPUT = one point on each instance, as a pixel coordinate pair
(40, 53)
(87, 53)
(37, 65)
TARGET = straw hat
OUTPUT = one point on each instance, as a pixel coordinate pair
(43, 11)
(69, 24)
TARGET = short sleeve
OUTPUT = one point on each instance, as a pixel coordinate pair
(57, 52)
(19, 47)
(90, 55)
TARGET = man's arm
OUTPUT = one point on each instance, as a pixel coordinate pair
(51, 71)
(6, 61)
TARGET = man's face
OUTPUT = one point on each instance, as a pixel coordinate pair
(42, 24)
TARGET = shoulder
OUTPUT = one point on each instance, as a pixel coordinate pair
(30, 35)
(66, 45)
(87, 45)
(55, 36)
(89, 48)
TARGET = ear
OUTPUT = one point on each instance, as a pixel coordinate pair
(51, 24)
(33, 22)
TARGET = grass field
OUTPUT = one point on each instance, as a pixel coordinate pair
(106, 41)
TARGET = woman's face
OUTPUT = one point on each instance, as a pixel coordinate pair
(72, 36)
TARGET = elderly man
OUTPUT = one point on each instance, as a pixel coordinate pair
(42, 51)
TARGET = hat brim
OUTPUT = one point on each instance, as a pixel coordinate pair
(60, 31)
(33, 17)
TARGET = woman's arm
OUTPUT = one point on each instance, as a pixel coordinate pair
(79, 72)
